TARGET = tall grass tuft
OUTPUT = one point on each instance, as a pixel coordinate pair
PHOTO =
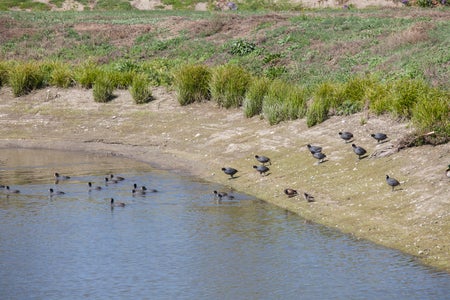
(26, 77)
(352, 96)
(5, 66)
(254, 97)
(121, 79)
(86, 74)
(103, 88)
(404, 95)
(431, 112)
(140, 89)
(228, 85)
(283, 102)
(192, 83)
(60, 74)
(323, 99)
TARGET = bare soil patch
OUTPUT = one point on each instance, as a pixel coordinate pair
(200, 139)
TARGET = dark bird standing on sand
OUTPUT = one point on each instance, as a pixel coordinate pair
(314, 149)
(320, 156)
(118, 204)
(346, 136)
(379, 136)
(392, 182)
(360, 151)
(261, 169)
(308, 197)
(229, 171)
(291, 192)
(263, 159)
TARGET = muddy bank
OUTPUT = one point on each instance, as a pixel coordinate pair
(200, 139)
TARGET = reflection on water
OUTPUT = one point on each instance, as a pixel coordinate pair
(178, 243)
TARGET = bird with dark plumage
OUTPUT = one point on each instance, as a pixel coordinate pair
(392, 182)
(118, 178)
(308, 197)
(222, 195)
(11, 191)
(61, 177)
(447, 172)
(360, 151)
(379, 136)
(230, 171)
(261, 169)
(314, 149)
(319, 156)
(346, 136)
(107, 181)
(263, 159)
(290, 192)
(117, 204)
(91, 187)
(53, 192)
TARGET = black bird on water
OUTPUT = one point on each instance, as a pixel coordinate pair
(263, 159)
(360, 151)
(261, 169)
(291, 192)
(221, 195)
(379, 136)
(346, 136)
(117, 204)
(314, 149)
(53, 192)
(392, 182)
(61, 177)
(230, 171)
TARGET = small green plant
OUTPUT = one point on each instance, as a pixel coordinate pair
(242, 47)
(103, 88)
(254, 97)
(140, 89)
(228, 85)
(192, 83)
(424, 3)
(26, 77)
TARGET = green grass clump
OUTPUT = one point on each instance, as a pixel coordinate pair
(229, 84)
(86, 74)
(324, 97)
(103, 88)
(191, 83)
(121, 80)
(284, 102)
(5, 66)
(254, 97)
(159, 71)
(59, 74)
(431, 112)
(140, 89)
(404, 95)
(25, 77)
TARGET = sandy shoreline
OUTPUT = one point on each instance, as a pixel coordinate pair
(199, 139)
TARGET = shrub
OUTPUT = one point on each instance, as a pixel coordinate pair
(228, 85)
(283, 102)
(103, 88)
(140, 89)
(254, 97)
(431, 112)
(192, 83)
(26, 77)
(86, 74)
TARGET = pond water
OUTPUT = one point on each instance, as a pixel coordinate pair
(177, 243)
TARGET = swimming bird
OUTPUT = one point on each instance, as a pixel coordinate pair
(261, 169)
(346, 136)
(291, 192)
(263, 159)
(320, 156)
(230, 171)
(360, 151)
(98, 188)
(118, 204)
(379, 136)
(392, 182)
(11, 191)
(222, 195)
(61, 177)
(53, 192)
(118, 178)
(308, 197)
(314, 149)
(107, 180)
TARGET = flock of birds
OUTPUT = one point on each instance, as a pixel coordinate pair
(112, 179)
(317, 153)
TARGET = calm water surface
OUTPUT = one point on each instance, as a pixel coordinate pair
(178, 243)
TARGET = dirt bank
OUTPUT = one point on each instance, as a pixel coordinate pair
(350, 194)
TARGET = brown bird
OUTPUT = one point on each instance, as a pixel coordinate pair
(291, 192)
